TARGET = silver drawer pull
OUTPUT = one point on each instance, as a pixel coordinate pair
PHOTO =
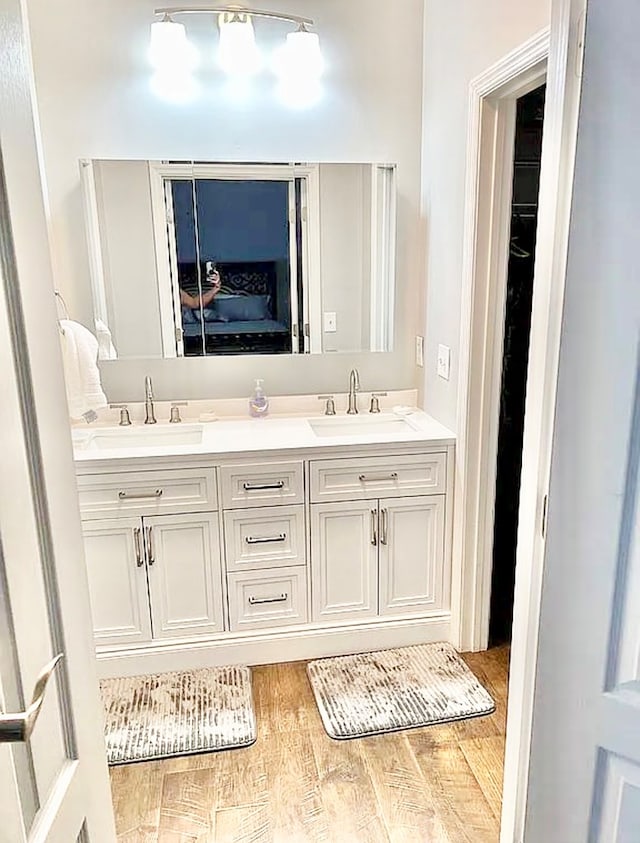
(17, 728)
(140, 496)
(263, 487)
(138, 545)
(378, 478)
(150, 551)
(282, 537)
(260, 601)
(374, 527)
(384, 529)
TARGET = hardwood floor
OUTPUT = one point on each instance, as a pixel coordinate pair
(441, 784)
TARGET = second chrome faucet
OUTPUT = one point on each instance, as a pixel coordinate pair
(149, 412)
(354, 388)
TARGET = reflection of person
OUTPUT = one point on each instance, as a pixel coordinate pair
(202, 299)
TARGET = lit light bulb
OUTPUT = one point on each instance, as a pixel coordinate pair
(170, 50)
(300, 59)
(238, 52)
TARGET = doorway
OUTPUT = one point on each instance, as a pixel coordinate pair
(515, 358)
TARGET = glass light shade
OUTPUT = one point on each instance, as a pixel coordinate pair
(300, 57)
(239, 54)
(170, 49)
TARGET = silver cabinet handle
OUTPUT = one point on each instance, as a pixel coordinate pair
(259, 601)
(150, 553)
(384, 526)
(377, 478)
(140, 496)
(282, 537)
(263, 487)
(17, 728)
(374, 527)
(138, 545)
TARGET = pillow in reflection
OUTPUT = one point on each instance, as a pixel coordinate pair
(243, 308)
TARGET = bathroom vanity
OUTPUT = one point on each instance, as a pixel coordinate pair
(268, 540)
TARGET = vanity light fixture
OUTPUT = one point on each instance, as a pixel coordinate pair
(300, 58)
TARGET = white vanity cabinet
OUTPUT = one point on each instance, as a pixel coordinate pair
(265, 545)
(152, 577)
(117, 581)
(303, 553)
(381, 556)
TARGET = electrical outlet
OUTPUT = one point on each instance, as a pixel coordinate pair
(330, 322)
(444, 362)
(419, 351)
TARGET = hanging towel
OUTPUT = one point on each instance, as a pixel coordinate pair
(106, 348)
(82, 376)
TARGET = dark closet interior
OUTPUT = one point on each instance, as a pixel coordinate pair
(524, 219)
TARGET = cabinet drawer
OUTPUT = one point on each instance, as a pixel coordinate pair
(267, 598)
(367, 479)
(260, 484)
(264, 538)
(147, 493)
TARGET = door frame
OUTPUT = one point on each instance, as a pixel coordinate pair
(554, 54)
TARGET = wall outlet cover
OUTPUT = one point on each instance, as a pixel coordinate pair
(419, 351)
(330, 322)
(444, 362)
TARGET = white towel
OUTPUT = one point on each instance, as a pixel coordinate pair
(106, 348)
(82, 376)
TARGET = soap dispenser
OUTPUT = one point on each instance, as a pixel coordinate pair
(258, 403)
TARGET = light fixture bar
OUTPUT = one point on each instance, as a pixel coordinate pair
(242, 10)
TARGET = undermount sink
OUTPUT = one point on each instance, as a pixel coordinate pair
(372, 425)
(143, 437)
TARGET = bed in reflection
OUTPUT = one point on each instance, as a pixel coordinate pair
(250, 314)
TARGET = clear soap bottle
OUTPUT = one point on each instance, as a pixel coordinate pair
(258, 403)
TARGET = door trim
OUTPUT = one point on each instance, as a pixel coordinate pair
(491, 112)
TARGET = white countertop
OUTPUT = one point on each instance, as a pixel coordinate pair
(238, 436)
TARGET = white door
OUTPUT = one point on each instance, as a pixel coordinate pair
(584, 781)
(412, 577)
(185, 577)
(344, 560)
(117, 581)
(54, 787)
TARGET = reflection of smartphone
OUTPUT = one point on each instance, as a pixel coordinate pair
(210, 269)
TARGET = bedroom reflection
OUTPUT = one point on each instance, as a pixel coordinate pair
(237, 270)
(192, 260)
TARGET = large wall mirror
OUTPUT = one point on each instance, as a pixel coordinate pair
(195, 259)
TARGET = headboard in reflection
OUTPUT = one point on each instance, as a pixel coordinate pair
(196, 259)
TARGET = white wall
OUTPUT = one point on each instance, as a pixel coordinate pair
(129, 259)
(92, 82)
(343, 244)
(462, 39)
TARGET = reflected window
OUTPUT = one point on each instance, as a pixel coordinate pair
(235, 268)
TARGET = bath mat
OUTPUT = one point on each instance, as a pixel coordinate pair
(390, 690)
(180, 713)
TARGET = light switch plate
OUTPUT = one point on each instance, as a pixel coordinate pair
(330, 322)
(419, 351)
(444, 361)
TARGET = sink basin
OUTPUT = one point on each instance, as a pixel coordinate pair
(372, 425)
(142, 437)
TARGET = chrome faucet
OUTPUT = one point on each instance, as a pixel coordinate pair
(150, 416)
(354, 387)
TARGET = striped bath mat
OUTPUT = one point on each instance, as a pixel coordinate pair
(390, 690)
(180, 713)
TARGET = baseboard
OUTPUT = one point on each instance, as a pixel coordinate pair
(269, 647)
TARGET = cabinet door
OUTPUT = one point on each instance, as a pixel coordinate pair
(344, 559)
(117, 581)
(185, 581)
(412, 575)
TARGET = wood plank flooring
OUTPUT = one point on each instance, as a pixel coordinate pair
(441, 784)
